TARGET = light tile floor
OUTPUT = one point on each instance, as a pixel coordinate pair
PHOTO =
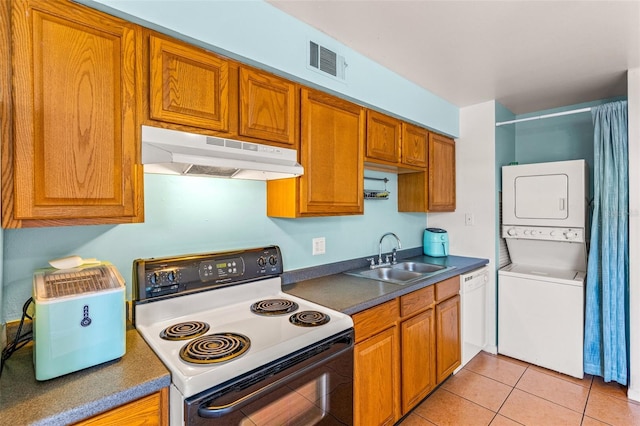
(500, 391)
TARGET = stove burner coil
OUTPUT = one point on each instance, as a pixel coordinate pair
(184, 330)
(215, 348)
(274, 307)
(309, 319)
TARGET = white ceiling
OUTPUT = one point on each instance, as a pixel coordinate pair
(527, 55)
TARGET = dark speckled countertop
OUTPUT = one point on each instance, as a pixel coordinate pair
(349, 294)
(77, 396)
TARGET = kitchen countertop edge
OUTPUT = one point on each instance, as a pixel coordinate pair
(350, 295)
(74, 397)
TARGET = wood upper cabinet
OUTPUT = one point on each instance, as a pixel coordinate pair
(74, 157)
(331, 152)
(187, 85)
(394, 145)
(433, 190)
(149, 410)
(383, 137)
(414, 145)
(269, 107)
(442, 173)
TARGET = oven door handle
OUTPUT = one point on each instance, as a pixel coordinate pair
(208, 410)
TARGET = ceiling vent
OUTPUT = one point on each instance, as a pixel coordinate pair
(326, 61)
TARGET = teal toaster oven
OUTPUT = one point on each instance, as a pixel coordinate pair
(79, 319)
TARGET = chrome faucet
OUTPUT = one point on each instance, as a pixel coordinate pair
(393, 252)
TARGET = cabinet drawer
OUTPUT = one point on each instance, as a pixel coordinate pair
(376, 319)
(447, 288)
(416, 301)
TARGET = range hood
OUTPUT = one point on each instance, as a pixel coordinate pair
(180, 153)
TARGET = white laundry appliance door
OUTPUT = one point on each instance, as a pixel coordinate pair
(545, 194)
(542, 196)
(540, 316)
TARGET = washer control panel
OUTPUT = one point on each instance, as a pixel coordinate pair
(574, 235)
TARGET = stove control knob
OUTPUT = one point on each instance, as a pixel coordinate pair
(262, 261)
(552, 233)
(534, 232)
(512, 232)
(526, 232)
(273, 260)
(171, 276)
(154, 278)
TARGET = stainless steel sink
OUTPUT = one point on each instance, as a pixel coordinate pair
(389, 274)
(401, 273)
(418, 267)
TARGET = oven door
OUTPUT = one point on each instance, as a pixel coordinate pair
(313, 386)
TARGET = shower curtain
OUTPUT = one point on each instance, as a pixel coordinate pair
(607, 291)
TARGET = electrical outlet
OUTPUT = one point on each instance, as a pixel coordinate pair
(319, 246)
(469, 219)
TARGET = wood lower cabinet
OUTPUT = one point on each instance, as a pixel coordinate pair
(433, 190)
(331, 152)
(418, 346)
(269, 107)
(376, 366)
(418, 336)
(187, 85)
(74, 155)
(448, 339)
(448, 356)
(376, 379)
(404, 349)
(149, 410)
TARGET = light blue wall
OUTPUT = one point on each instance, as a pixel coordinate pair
(505, 142)
(192, 215)
(257, 33)
(567, 137)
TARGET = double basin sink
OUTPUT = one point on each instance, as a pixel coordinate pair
(401, 273)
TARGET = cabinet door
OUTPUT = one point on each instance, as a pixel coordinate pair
(447, 337)
(269, 107)
(76, 137)
(331, 148)
(414, 145)
(442, 174)
(383, 137)
(376, 380)
(151, 409)
(187, 85)
(418, 358)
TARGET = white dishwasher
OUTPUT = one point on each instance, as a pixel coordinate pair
(473, 312)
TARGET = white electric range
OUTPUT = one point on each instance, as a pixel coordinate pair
(239, 349)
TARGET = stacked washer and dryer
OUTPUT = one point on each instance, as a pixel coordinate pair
(541, 293)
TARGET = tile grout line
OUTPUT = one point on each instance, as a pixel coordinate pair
(505, 400)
